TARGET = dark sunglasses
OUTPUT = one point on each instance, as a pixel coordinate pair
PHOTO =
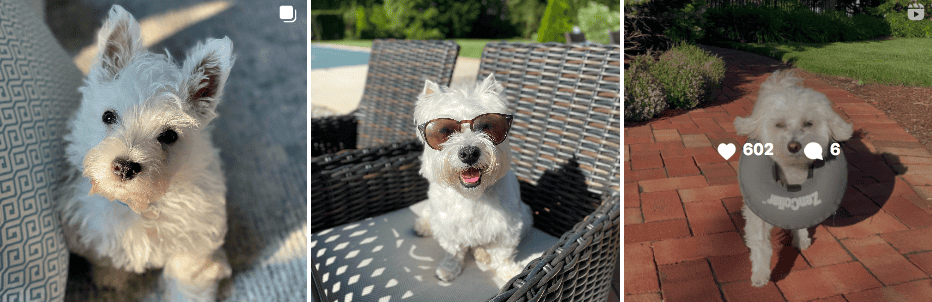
(438, 131)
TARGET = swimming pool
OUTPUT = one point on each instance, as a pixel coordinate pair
(326, 57)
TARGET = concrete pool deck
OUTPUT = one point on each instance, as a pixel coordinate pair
(337, 90)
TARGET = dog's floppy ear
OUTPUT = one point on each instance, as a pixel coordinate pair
(490, 85)
(117, 42)
(840, 130)
(747, 126)
(207, 68)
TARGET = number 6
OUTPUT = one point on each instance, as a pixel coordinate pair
(835, 149)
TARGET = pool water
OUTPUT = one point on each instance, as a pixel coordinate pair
(326, 57)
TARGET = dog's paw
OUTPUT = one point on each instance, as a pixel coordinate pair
(760, 279)
(802, 243)
(801, 239)
(448, 270)
(217, 267)
(483, 259)
(508, 271)
(422, 227)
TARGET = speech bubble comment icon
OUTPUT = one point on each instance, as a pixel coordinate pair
(726, 151)
(813, 151)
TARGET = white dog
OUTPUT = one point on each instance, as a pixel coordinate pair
(152, 193)
(788, 116)
(474, 200)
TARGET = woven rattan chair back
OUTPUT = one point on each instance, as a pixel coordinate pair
(565, 142)
(397, 70)
(566, 134)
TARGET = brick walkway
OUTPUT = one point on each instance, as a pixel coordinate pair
(683, 224)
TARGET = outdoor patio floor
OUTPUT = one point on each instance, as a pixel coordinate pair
(683, 231)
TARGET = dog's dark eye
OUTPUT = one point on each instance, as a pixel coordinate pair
(807, 124)
(781, 125)
(168, 137)
(109, 117)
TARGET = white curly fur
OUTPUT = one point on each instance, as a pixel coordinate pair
(172, 214)
(785, 113)
(489, 218)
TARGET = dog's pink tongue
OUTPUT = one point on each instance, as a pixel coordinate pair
(471, 175)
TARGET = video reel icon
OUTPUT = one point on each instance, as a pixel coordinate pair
(915, 11)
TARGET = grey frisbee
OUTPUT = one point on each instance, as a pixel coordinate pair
(795, 206)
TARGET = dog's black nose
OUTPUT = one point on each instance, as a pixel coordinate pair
(469, 155)
(126, 169)
(794, 146)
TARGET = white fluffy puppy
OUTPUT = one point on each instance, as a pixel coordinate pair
(474, 200)
(152, 194)
(789, 116)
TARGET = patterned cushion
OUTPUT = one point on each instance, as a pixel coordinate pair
(38, 90)
(381, 259)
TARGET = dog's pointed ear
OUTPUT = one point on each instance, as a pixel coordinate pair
(117, 42)
(207, 68)
(430, 88)
(490, 85)
(747, 126)
(841, 130)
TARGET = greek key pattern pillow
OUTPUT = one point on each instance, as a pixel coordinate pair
(38, 90)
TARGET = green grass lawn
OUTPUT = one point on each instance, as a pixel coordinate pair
(906, 61)
(470, 48)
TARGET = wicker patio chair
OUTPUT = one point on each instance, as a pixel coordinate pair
(396, 74)
(614, 37)
(565, 143)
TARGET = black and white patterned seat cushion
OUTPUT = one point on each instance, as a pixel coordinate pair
(38, 91)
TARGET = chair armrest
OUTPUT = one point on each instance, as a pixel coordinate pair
(317, 290)
(584, 258)
(356, 184)
(333, 133)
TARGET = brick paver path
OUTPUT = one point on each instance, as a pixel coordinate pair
(683, 224)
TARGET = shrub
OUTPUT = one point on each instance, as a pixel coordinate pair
(374, 23)
(448, 18)
(644, 95)
(495, 21)
(354, 18)
(409, 20)
(689, 75)
(902, 27)
(791, 23)
(681, 83)
(417, 19)
(711, 68)
(893, 6)
(595, 20)
(327, 25)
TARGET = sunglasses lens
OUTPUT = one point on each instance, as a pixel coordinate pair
(438, 131)
(495, 125)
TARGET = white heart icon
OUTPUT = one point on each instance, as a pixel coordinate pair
(726, 151)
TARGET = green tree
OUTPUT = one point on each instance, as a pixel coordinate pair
(526, 15)
(559, 17)
(595, 20)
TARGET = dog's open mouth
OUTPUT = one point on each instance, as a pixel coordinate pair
(471, 177)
